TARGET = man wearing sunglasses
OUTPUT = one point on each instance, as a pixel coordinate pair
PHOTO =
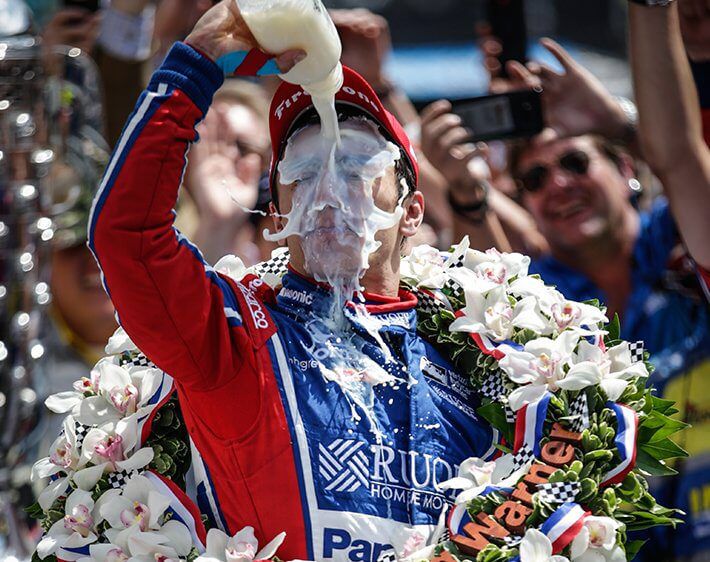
(581, 194)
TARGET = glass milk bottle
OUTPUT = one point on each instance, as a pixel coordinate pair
(282, 25)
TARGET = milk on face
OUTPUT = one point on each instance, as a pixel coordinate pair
(282, 25)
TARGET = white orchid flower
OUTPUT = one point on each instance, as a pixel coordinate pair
(75, 530)
(475, 475)
(135, 514)
(121, 392)
(425, 266)
(114, 450)
(120, 342)
(497, 266)
(63, 402)
(596, 542)
(539, 367)
(578, 316)
(611, 370)
(231, 266)
(241, 547)
(137, 546)
(536, 547)
(493, 315)
(64, 453)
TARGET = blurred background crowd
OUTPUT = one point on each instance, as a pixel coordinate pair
(607, 209)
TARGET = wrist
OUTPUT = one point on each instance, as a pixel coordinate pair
(202, 46)
(469, 200)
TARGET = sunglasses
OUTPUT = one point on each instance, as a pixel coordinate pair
(575, 161)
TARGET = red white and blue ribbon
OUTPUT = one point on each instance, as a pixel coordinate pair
(458, 518)
(159, 398)
(563, 525)
(625, 440)
(181, 508)
(529, 423)
(492, 348)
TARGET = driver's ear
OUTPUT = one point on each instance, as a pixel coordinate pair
(413, 215)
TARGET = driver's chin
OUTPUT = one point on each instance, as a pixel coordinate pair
(333, 252)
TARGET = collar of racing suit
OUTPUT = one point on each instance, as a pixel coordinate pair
(304, 298)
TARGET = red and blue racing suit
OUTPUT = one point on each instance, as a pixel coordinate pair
(279, 446)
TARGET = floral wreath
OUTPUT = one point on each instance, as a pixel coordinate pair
(580, 432)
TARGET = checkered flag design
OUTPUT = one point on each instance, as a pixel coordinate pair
(445, 536)
(512, 540)
(579, 411)
(509, 414)
(636, 349)
(80, 430)
(428, 304)
(120, 478)
(388, 556)
(138, 360)
(558, 492)
(493, 386)
(522, 457)
(277, 265)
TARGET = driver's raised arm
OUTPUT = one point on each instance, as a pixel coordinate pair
(177, 310)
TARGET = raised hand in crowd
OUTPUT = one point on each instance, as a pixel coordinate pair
(74, 27)
(223, 180)
(670, 125)
(575, 102)
(444, 143)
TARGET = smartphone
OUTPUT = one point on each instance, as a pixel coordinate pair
(88, 5)
(511, 115)
(507, 21)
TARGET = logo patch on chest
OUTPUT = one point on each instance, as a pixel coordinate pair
(344, 465)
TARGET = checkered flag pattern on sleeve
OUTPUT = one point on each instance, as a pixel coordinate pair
(120, 479)
(579, 411)
(636, 349)
(558, 492)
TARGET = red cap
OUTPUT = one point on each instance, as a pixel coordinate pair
(291, 101)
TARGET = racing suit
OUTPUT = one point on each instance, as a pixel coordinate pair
(280, 447)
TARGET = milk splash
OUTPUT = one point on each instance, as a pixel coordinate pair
(334, 214)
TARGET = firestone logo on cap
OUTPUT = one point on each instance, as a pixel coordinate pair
(290, 101)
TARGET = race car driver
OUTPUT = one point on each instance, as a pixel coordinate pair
(283, 447)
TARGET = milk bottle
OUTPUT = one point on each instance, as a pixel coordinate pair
(281, 25)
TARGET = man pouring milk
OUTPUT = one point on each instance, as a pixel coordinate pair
(315, 406)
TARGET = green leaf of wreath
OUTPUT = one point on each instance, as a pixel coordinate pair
(654, 467)
(664, 449)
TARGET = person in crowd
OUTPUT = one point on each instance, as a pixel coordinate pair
(119, 39)
(248, 361)
(671, 138)
(223, 175)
